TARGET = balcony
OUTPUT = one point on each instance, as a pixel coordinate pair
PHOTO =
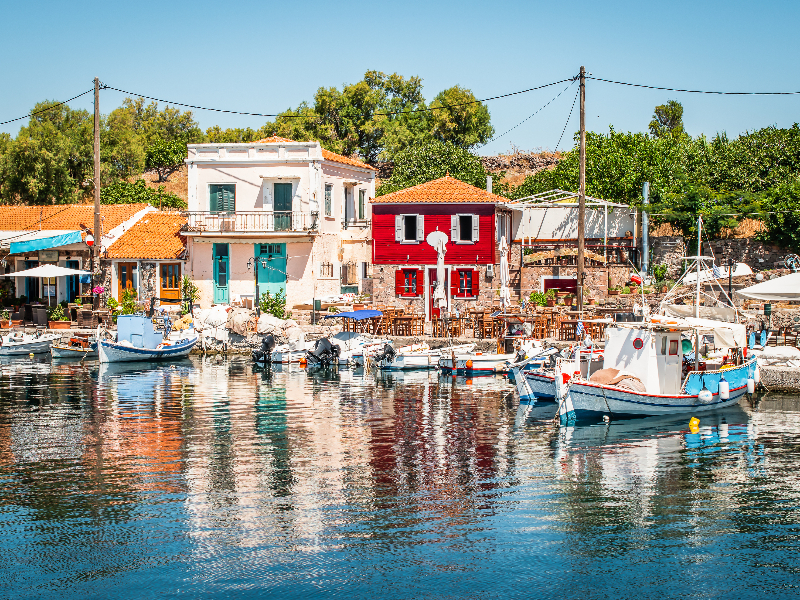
(255, 222)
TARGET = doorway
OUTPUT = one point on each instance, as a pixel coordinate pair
(73, 281)
(434, 311)
(126, 278)
(283, 206)
(221, 264)
(31, 283)
(271, 278)
(171, 280)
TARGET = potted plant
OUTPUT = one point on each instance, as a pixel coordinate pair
(550, 297)
(568, 299)
(614, 291)
(626, 290)
(5, 320)
(57, 319)
(592, 301)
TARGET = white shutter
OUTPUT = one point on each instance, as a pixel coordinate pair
(267, 198)
(475, 227)
(398, 228)
(454, 228)
(420, 227)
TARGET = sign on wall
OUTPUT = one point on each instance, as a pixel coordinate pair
(48, 255)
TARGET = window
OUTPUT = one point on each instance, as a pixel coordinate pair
(409, 229)
(170, 276)
(408, 282)
(673, 347)
(464, 283)
(222, 198)
(328, 200)
(361, 198)
(464, 229)
(326, 270)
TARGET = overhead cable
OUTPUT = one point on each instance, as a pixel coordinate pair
(46, 109)
(568, 118)
(669, 89)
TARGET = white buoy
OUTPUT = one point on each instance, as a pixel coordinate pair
(757, 374)
(705, 395)
(724, 390)
(751, 386)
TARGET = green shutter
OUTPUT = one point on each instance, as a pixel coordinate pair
(222, 198)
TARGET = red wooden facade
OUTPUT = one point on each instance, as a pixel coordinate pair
(388, 251)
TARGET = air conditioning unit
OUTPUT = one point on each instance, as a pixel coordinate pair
(490, 270)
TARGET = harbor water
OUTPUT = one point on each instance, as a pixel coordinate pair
(209, 479)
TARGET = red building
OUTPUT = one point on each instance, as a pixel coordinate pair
(405, 263)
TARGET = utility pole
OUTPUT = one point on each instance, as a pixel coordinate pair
(582, 191)
(96, 232)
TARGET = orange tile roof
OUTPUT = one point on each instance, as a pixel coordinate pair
(68, 217)
(326, 154)
(445, 190)
(154, 236)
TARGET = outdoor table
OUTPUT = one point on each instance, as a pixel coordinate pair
(402, 325)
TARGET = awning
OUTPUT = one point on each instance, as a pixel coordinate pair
(48, 271)
(356, 315)
(780, 288)
(39, 240)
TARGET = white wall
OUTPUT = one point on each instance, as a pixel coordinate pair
(561, 222)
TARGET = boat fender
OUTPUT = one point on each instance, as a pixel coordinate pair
(724, 389)
(469, 364)
(757, 374)
(751, 386)
(705, 394)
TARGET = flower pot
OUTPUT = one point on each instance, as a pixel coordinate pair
(551, 302)
(664, 289)
(568, 300)
(613, 292)
(358, 307)
(5, 324)
(59, 324)
(592, 301)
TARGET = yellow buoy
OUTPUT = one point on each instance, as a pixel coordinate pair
(694, 425)
(31, 355)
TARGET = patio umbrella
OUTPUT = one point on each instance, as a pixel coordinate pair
(772, 290)
(48, 271)
(505, 293)
(439, 294)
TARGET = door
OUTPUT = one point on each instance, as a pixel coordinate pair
(171, 280)
(272, 277)
(221, 273)
(283, 206)
(433, 310)
(349, 205)
(31, 283)
(126, 278)
(73, 281)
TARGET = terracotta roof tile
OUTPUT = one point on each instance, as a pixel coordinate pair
(154, 236)
(445, 190)
(326, 154)
(68, 217)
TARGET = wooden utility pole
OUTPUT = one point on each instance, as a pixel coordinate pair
(96, 228)
(582, 191)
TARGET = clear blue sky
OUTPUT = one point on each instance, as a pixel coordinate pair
(269, 56)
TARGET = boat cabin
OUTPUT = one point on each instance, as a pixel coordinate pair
(138, 331)
(654, 355)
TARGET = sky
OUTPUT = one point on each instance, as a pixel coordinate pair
(266, 57)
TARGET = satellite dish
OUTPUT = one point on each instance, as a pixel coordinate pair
(434, 237)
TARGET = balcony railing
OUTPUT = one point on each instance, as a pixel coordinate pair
(252, 222)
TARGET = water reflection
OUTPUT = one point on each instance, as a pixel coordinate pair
(210, 478)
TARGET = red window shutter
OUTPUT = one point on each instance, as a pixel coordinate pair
(454, 279)
(420, 282)
(475, 286)
(398, 282)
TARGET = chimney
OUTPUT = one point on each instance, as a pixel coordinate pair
(489, 183)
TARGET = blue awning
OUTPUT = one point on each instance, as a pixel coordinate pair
(357, 315)
(44, 243)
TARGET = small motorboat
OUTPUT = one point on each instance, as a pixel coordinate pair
(417, 356)
(138, 339)
(78, 346)
(324, 353)
(20, 343)
(263, 356)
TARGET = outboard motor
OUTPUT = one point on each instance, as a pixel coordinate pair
(267, 346)
(386, 354)
(324, 353)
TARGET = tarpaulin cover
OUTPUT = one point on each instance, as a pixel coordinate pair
(357, 315)
(72, 237)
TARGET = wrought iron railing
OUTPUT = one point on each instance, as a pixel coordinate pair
(251, 221)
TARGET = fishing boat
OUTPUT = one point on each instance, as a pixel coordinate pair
(138, 339)
(475, 364)
(77, 346)
(20, 343)
(416, 356)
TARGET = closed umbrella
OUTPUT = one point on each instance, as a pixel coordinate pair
(505, 293)
(439, 294)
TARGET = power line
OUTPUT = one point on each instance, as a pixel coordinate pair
(46, 109)
(669, 89)
(567, 123)
(381, 114)
(529, 117)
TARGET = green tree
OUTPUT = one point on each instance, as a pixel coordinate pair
(667, 120)
(122, 192)
(781, 206)
(460, 119)
(165, 157)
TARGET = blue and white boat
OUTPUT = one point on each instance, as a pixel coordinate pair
(138, 339)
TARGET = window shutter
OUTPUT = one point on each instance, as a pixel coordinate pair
(213, 204)
(475, 284)
(454, 281)
(398, 228)
(454, 228)
(476, 223)
(420, 281)
(420, 227)
(398, 282)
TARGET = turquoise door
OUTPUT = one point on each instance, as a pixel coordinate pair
(272, 277)
(283, 206)
(221, 273)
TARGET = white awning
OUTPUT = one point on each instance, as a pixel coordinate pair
(48, 271)
(780, 288)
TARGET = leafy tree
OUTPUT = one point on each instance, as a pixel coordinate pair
(460, 120)
(431, 161)
(165, 157)
(122, 192)
(667, 120)
(781, 206)
(217, 135)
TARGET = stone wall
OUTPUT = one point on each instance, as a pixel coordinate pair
(758, 255)
(597, 279)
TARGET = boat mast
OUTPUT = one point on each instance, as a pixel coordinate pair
(697, 291)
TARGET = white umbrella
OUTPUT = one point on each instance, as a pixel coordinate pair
(780, 288)
(438, 240)
(48, 271)
(505, 293)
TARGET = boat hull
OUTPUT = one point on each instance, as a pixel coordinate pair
(542, 386)
(35, 347)
(409, 362)
(110, 352)
(475, 364)
(72, 352)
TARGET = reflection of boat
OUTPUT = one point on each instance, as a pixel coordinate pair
(137, 339)
(139, 380)
(20, 343)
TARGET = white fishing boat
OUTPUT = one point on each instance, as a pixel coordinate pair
(473, 363)
(78, 346)
(416, 356)
(20, 343)
(138, 339)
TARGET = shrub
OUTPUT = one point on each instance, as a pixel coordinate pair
(273, 305)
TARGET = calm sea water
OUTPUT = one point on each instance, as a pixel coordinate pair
(211, 480)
